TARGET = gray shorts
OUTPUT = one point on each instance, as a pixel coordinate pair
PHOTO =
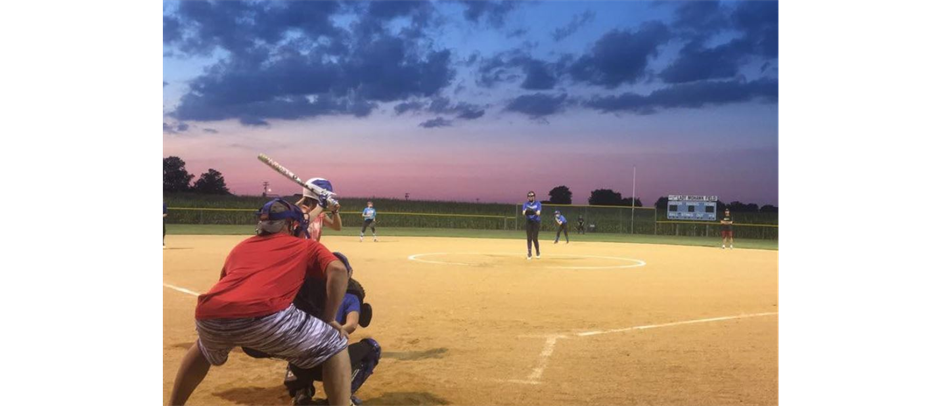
(290, 334)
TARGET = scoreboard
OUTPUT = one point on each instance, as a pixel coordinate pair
(691, 207)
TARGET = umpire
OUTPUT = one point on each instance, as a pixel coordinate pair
(531, 209)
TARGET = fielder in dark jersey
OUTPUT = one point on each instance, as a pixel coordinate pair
(562, 226)
(727, 229)
(580, 225)
(163, 221)
(531, 210)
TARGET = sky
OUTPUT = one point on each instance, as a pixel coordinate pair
(478, 100)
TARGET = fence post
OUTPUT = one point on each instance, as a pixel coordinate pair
(201, 216)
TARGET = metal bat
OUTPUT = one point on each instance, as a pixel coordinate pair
(290, 175)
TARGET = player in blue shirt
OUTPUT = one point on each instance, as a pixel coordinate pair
(353, 312)
(364, 355)
(562, 226)
(369, 219)
(531, 210)
(163, 221)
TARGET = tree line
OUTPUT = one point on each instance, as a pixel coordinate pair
(177, 179)
(609, 197)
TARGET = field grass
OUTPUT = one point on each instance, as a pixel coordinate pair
(225, 229)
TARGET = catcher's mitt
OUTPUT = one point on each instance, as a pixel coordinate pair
(366, 311)
(356, 289)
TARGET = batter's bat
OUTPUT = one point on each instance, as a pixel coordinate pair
(290, 175)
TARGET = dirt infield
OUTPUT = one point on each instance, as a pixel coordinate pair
(471, 321)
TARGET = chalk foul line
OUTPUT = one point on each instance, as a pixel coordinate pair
(676, 323)
(179, 289)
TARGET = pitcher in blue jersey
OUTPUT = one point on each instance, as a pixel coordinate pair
(531, 210)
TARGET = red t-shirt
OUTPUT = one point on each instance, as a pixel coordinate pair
(262, 275)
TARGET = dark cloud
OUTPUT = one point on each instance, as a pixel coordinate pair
(759, 21)
(690, 95)
(408, 106)
(495, 70)
(211, 131)
(472, 59)
(165, 83)
(493, 12)
(517, 33)
(171, 30)
(390, 9)
(577, 22)
(436, 122)
(620, 56)
(439, 105)
(509, 66)
(293, 60)
(698, 63)
(175, 128)
(442, 105)
(202, 108)
(242, 28)
(537, 105)
(253, 122)
(756, 22)
(539, 75)
(377, 14)
(273, 73)
(462, 110)
(470, 113)
(387, 70)
(700, 18)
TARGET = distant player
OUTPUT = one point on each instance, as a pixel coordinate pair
(163, 220)
(580, 225)
(561, 226)
(315, 209)
(369, 219)
(531, 210)
(727, 227)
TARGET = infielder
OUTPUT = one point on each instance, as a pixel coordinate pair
(369, 219)
(727, 229)
(562, 226)
(531, 209)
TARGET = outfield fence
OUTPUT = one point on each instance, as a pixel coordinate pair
(596, 219)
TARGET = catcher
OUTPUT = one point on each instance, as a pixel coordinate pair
(364, 355)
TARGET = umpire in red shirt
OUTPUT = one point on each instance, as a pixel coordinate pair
(251, 306)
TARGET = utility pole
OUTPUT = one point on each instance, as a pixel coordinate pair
(407, 195)
(265, 189)
(633, 199)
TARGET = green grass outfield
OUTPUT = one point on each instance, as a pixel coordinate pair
(218, 229)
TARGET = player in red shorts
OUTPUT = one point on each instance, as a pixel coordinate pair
(727, 229)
